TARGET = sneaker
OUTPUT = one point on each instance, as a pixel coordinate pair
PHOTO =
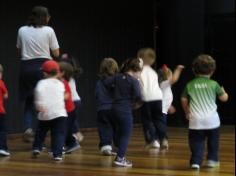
(106, 150)
(73, 148)
(28, 135)
(4, 153)
(154, 144)
(122, 162)
(36, 152)
(79, 136)
(213, 164)
(195, 166)
(58, 158)
(164, 144)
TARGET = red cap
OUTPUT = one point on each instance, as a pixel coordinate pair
(50, 66)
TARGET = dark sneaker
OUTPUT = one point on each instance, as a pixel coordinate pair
(73, 148)
(35, 153)
(122, 162)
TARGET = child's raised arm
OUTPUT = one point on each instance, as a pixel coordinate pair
(177, 73)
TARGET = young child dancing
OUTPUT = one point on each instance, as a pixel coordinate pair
(154, 125)
(166, 79)
(105, 119)
(50, 103)
(66, 74)
(126, 94)
(3, 134)
(199, 104)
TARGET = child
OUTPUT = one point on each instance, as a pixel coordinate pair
(105, 120)
(75, 96)
(50, 103)
(198, 101)
(166, 80)
(126, 94)
(154, 125)
(3, 136)
(66, 74)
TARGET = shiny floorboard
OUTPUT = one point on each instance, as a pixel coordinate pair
(88, 161)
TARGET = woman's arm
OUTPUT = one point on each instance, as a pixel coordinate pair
(177, 73)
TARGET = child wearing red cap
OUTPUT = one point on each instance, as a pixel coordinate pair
(3, 136)
(50, 103)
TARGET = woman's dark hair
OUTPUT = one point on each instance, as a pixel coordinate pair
(133, 64)
(74, 62)
(108, 67)
(204, 65)
(67, 69)
(38, 17)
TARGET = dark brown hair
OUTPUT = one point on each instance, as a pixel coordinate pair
(132, 64)
(204, 65)
(148, 55)
(108, 67)
(38, 17)
(67, 69)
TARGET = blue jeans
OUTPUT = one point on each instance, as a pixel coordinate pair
(70, 121)
(197, 139)
(57, 127)
(29, 112)
(154, 125)
(124, 122)
(3, 133)
(75, 127)
(106, 128)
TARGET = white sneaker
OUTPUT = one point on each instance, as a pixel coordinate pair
(58, 158)
(164, 144)
(154, 144)
(4, 153)
(106, 150)
(195, 166)
(213, 164)
(122, 162)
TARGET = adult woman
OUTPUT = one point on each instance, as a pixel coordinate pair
(35, 42)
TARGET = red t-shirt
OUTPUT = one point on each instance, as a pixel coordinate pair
(70, 106)
(3, 91)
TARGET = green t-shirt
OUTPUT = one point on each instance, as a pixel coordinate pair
(201, 93)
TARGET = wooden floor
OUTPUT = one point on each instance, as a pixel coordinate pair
(88, 161)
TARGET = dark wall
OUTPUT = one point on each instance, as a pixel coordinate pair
(89, 30)
(92, 30)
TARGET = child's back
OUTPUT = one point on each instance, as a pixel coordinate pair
(50, 96)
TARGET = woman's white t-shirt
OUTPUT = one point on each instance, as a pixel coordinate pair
(49, 94)
(36, 42)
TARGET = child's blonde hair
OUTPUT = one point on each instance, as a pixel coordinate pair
(1, 68)
(148, 55)
(108, 67)
(204, 64)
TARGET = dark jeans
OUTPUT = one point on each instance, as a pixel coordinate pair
(154, 125)
(70, 121)
(106, 128)
(57, 127)
(124, 122)
(3, 133)
(75, 126)
(197, 139)
(30, 74)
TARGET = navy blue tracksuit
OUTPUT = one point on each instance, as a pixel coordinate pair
(125, 91)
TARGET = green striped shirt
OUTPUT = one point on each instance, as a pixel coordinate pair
(201, 93)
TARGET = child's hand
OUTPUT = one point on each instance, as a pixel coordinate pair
(171, 110)
(180, 67)
(40, 109)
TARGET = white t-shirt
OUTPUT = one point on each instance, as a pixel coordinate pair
(149, 85)
(74, 93)
(49, 94)
(167, 96)
(36, 42)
